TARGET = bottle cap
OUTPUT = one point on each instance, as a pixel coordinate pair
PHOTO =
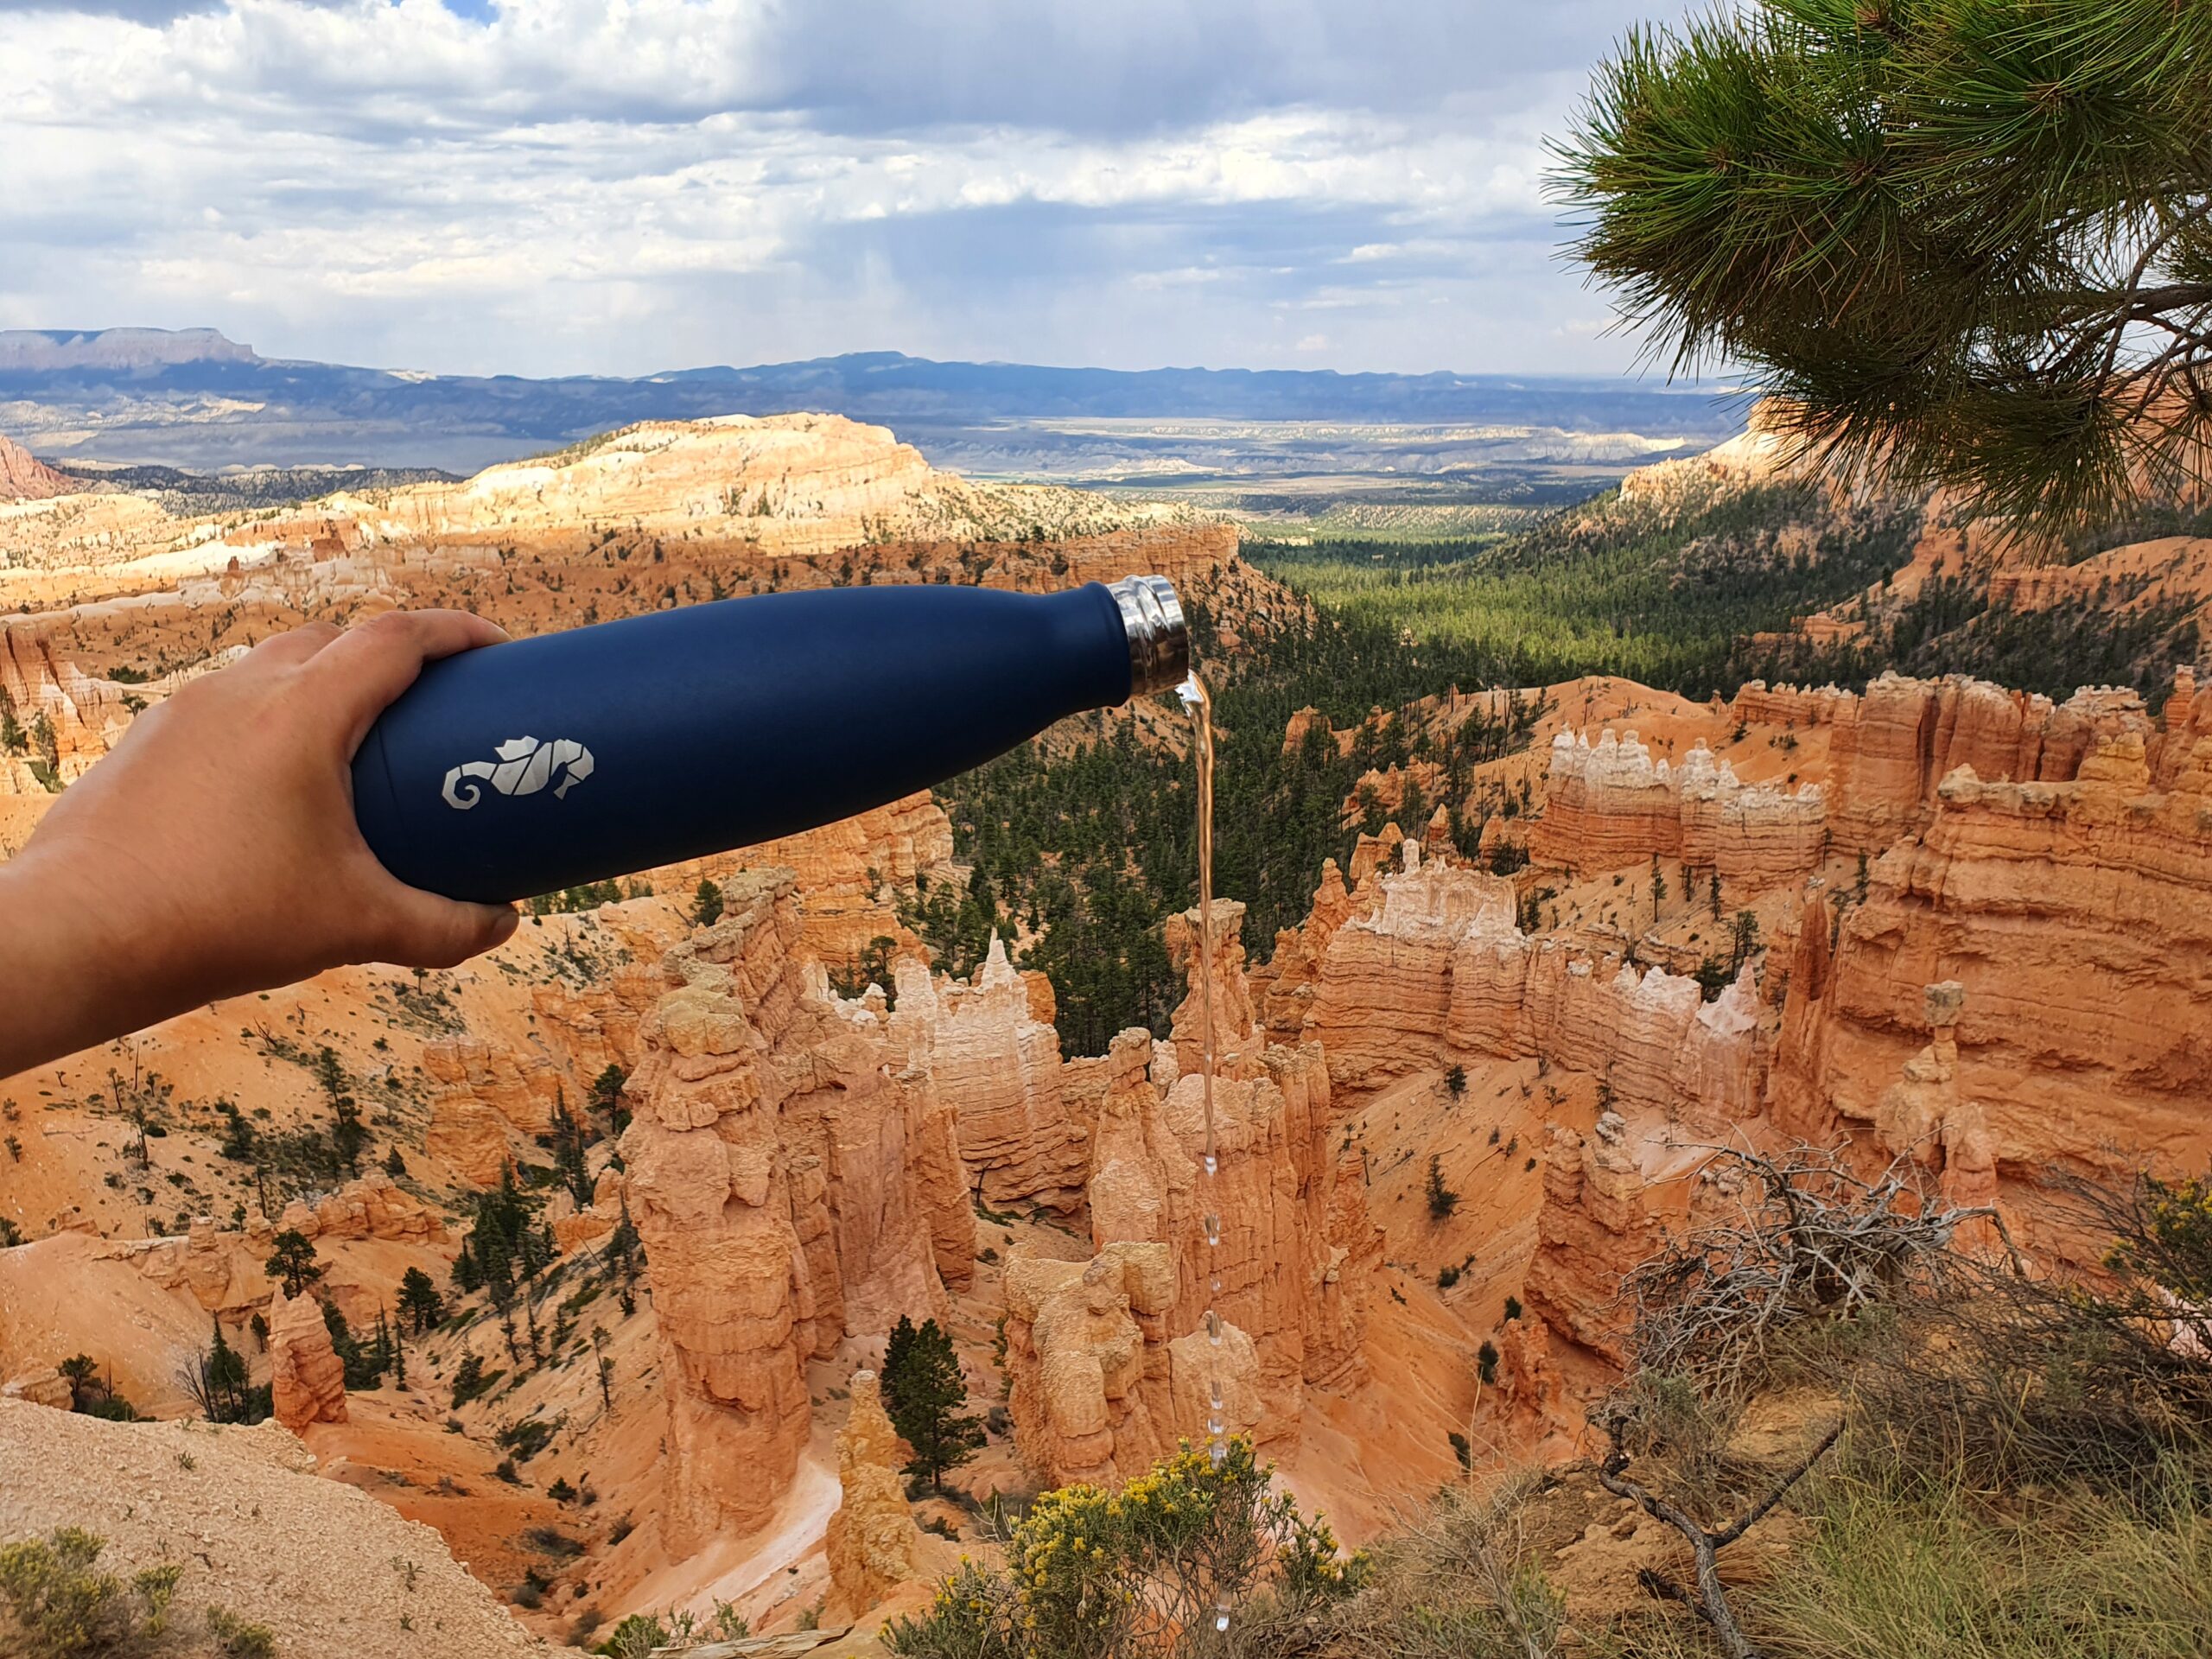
(1159, 640)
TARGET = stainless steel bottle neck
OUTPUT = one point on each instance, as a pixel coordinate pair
(1159, 638)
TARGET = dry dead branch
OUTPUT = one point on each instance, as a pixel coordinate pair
(1810, 1238)
(1710, 1599)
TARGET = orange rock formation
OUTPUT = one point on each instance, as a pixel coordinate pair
(790, 1185)
(872, 1544)
(308, 1384)
(24, 478)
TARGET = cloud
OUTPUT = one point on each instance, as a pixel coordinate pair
(544, 186)
(144, 11)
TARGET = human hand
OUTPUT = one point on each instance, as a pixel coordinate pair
(215, 852)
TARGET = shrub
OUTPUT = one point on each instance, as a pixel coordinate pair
(636, 1636)
(528, 1438)
(551, 1540)
(235, 1638)
(469, 1381)
(1091, 1574)
(1463, 1580)
(1442, 1200)
(705, 904)
(729, 1625)
(1812, 1242)
(1898, 1565)
(2037, 1380)
(63, 1606)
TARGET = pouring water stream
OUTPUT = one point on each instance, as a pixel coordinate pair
(1193, 693)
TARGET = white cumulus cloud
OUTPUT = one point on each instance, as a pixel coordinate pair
(624, 186)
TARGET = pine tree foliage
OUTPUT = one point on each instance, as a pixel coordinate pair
(419, 1301)
(292, 1261)
(922, 1394)
(220, 1385)
(1969, 241)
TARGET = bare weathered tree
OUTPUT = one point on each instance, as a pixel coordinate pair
(1808, 1239)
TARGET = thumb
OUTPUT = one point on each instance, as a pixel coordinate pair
(425, 931)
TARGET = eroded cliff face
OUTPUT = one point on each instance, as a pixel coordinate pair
(1110, 1361)
(2073, 917)
(1610, 804)
(2009, 990)
(221, 1269)
(872, 1543)
(23, 477)
(782, 1181)
(308, 1382)
(996, 1068)
(1381, 997)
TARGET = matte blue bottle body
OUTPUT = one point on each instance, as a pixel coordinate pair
(718, 726)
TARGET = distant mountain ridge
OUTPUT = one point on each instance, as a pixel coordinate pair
(195, 398)
(45, 350)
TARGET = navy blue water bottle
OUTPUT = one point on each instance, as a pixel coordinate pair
(541, 764)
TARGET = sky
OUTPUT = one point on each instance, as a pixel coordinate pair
(555, 186)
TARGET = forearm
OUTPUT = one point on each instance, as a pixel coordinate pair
(215, 852)
(63, 985)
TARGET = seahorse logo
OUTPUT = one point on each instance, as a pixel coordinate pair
(524, 766)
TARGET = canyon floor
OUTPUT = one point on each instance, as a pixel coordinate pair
(716, 1150)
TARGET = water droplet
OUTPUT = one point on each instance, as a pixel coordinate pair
(1213, 1165)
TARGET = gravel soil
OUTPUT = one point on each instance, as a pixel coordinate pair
(332, 1572)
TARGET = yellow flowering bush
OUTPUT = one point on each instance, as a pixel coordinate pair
(2172, 1244)
(56, 1602)
(1094, 1574)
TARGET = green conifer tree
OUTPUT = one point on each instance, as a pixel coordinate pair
(292, 1261)
(419, 1300)
(929, 1391)
(1969, 240)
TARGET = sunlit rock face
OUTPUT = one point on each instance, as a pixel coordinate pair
(791, 1183)
(996, 1067)
(1295, 1254)
(306, 1379)
(2075, 918)
(1382, 995)
(1610, 802)
(871, 1542)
